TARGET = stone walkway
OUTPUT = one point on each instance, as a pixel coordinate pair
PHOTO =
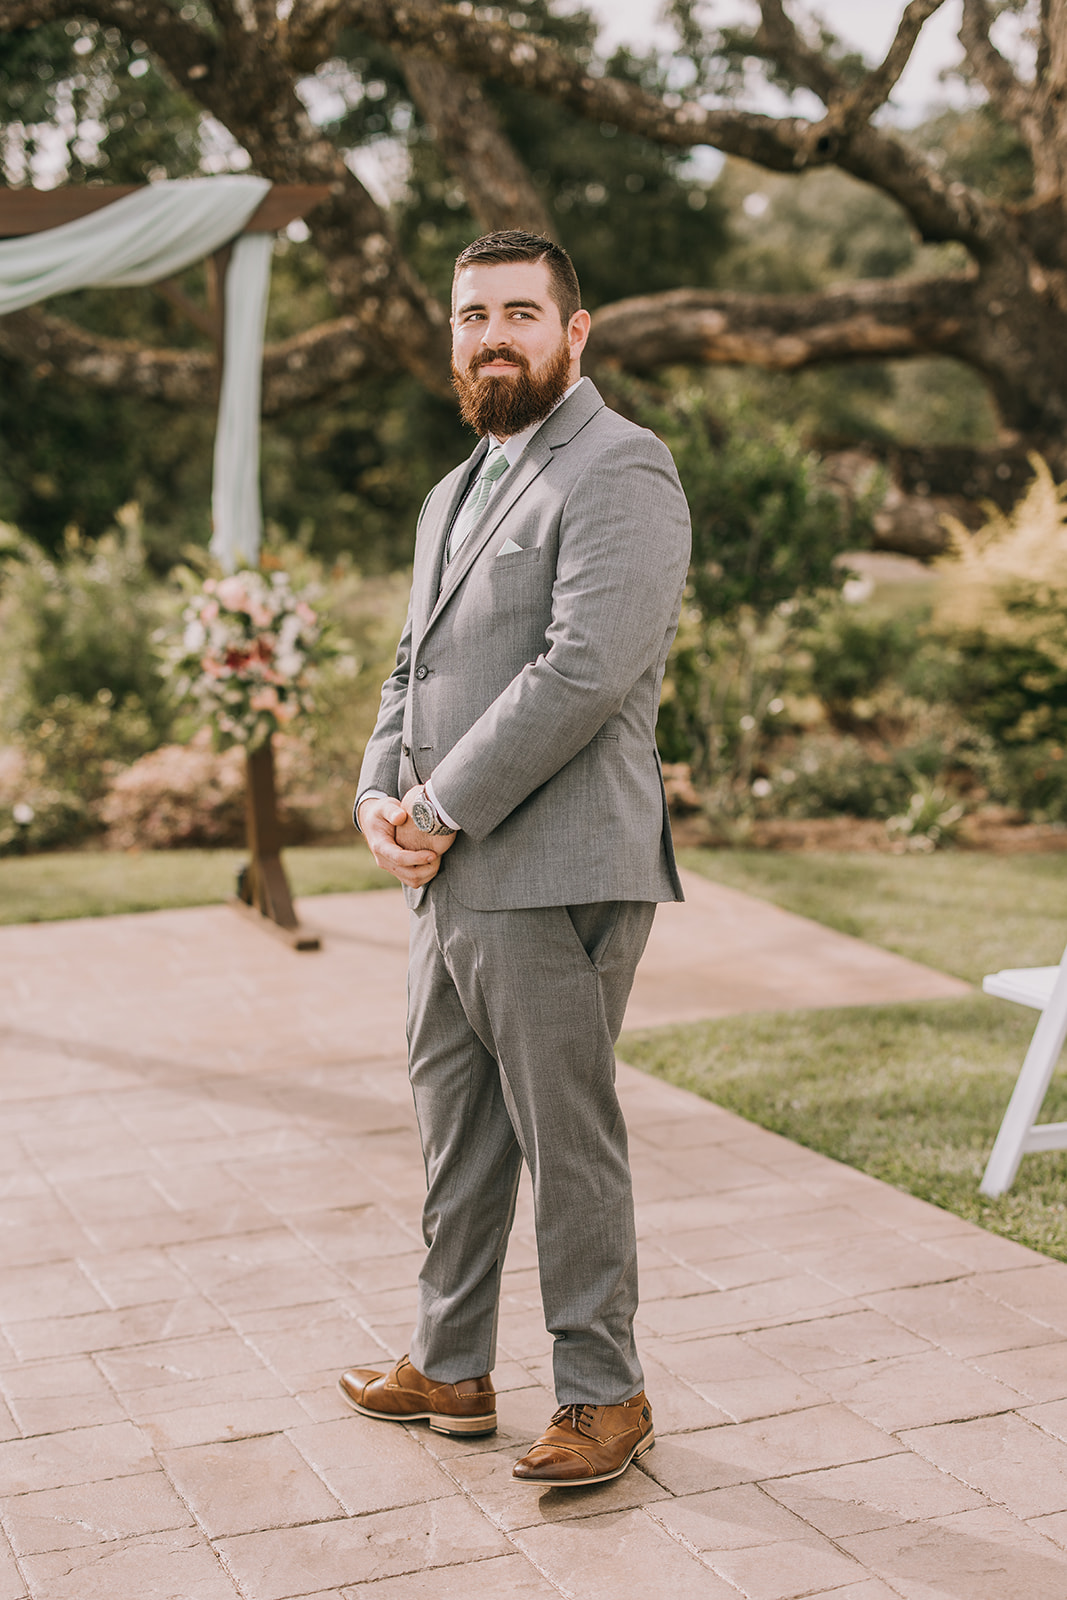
(210, 1204)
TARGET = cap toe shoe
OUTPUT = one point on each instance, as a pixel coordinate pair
(466, 1409)
(588, 1444)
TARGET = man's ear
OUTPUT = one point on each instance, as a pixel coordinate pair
(578, 332)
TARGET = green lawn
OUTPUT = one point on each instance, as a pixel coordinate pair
(100, 883)
(912, 1094)
(962, 912)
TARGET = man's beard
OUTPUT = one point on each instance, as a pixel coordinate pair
(507, 406)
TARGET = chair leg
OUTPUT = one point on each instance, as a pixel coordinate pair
(1028, 1095)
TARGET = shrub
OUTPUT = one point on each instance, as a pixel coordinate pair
(1031, 778)
(76, 747)
(191, 795)
(74, 629)
(723, 684)
(1004, 607)
(32, 816)
(767, 527)
(853, 652)
(827, 775)
(767, 534)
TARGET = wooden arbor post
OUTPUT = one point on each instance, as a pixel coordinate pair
(262, 887)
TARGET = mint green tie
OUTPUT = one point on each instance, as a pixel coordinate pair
(496, 463)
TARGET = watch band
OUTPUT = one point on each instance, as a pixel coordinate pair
(425, 816)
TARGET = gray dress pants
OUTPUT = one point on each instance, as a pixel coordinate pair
(512, 1020)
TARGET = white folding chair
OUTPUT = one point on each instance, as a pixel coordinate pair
(1045, 990)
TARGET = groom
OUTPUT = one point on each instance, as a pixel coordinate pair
(512, 785)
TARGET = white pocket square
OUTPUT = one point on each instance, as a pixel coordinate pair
(508, 548)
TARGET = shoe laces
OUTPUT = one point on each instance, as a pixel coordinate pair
(574, 1414)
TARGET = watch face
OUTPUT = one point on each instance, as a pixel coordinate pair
(422, 815)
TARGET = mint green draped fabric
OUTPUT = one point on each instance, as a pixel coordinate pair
(151, 234)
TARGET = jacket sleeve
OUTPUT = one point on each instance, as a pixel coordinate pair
(381, 759)
(623, 555)
(380, 768)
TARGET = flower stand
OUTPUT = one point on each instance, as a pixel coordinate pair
(262, 887)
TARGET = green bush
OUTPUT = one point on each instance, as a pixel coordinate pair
(42, 819)
(767, 527)
(1031, 778)
(81, 690)
(829, 775)
(722, 688)
(767, 534)
(1004, 608)
(853, 652)
(80, 628)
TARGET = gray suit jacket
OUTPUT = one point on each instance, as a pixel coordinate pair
(527, 681)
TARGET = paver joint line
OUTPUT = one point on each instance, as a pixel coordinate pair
(211, 1204)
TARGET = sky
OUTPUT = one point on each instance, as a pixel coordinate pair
(865, 24)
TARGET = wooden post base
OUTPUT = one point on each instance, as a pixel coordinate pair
(297, 938)
(262, 887)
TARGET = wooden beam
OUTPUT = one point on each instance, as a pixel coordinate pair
(25, 211)
(284, 203)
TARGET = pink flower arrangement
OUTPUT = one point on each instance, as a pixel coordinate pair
(248, 655)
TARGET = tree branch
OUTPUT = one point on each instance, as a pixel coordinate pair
(492, 49)
(869, 321)
(859, 106)
(306, 367)
(1034, 110)
(777, 37)
(244, 81)
(993, 72)
(311, 31)
(469, 136)
(1044, 40)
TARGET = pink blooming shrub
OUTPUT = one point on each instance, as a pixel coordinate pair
(191, 795)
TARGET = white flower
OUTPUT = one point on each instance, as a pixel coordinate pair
(288, 633)
(23, 813)
(761, 788)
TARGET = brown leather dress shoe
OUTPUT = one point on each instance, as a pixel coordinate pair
(404, 1395)
(588, 1444)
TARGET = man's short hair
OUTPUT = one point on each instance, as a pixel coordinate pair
(511, 244)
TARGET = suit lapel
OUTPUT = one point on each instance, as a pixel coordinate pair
(559, 429)
(435, 531)
(532, 461)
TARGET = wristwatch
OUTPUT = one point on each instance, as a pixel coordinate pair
(425, 817)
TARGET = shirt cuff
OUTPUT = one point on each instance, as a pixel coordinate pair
(439, 808)
(366, 794)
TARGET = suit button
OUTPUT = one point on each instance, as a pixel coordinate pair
(422, 672)
(405, 750)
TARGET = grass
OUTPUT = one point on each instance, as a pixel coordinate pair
(912, 1094)
(50, 887)
(964, 913)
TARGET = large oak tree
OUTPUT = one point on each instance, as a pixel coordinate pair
(1002, 312)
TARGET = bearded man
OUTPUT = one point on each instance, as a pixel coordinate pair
(512, 786)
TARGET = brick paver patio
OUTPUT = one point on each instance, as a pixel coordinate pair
(210, 1204)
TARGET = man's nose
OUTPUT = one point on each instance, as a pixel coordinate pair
(495, 331)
